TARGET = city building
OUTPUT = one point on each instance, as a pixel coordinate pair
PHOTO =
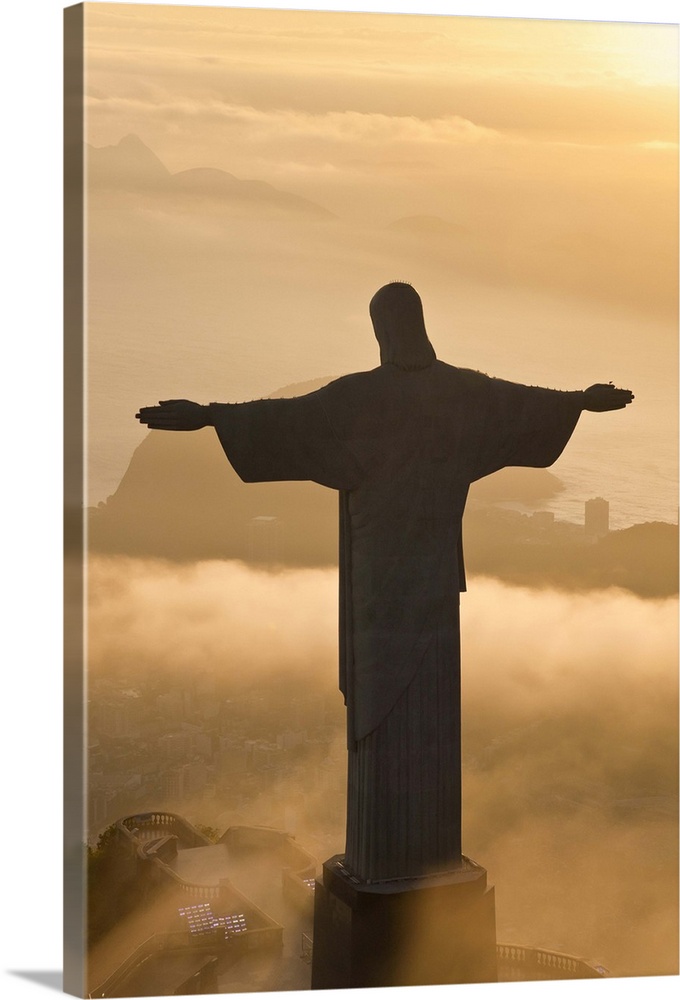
(596, 518)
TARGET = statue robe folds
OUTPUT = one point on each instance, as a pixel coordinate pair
(402, 448)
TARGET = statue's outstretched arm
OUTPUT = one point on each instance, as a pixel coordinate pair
(600, 397)
(175, 415)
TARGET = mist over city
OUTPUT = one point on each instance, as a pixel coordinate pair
(229, 674)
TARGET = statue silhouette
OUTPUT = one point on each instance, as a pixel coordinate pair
(401, 444)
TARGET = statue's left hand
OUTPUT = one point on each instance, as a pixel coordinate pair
(602, 397)
(174, 415)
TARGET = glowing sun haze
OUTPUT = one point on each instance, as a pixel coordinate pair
(348, 101)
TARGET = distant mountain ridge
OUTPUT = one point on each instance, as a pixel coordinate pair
(130, 165)
(130, 161)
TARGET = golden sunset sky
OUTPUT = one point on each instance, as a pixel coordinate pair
(481, 119)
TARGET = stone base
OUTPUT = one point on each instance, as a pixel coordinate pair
(432, 930)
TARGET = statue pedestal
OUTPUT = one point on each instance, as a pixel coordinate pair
(432, 930)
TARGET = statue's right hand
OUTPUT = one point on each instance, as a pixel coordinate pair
(174, 415)
(601, 397)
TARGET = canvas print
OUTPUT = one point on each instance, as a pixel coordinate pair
(371, 500)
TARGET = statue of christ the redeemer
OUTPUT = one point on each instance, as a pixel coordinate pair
(401, 444)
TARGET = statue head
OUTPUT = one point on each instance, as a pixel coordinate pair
(397, 316)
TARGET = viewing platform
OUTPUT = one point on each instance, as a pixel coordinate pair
(233, 912)
(241, 916)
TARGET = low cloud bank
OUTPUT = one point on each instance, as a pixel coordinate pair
(569, 733)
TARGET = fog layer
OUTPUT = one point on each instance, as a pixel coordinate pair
(569, 733)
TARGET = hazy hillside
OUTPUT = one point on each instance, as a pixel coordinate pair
(181, 499)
